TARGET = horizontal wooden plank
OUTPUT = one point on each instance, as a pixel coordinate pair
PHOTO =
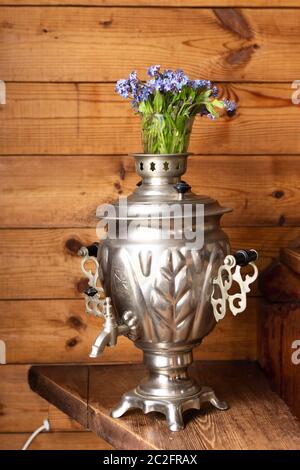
(52, 331)
(54, 441)
(74, 395)
(59, 421)
(43, 263)
(102, 44)
(45, 118)
(261, 190)
(160, 3)
(23, 411)
(20, 408)
(49, 331)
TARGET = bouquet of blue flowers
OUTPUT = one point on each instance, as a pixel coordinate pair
(168, 103)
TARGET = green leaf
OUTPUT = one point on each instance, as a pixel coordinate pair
(207, 94)
(158, 102)
(142, 107)
(145, 107)
(218, 104)
(211, 109)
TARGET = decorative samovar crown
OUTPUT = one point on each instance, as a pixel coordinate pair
(161, 183)
(164, 289)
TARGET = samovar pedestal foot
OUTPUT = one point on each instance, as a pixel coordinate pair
(172, 408)
(168, 389)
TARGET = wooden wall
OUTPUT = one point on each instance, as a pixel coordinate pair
(64, 136)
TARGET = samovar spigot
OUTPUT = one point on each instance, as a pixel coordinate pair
(110, 331)
(113, 327)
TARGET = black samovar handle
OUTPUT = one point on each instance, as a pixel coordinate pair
(244, 257)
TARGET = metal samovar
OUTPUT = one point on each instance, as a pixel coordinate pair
(161, 292)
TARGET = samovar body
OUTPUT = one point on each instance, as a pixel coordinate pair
(159, 284)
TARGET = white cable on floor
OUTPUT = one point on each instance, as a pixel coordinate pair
(45, 427)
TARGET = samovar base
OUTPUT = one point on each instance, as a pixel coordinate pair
(168, 389)
(172, 408)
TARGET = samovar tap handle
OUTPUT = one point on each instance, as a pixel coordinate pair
(228, 273)
(111, 330)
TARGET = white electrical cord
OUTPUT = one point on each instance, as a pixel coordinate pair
(45, 427)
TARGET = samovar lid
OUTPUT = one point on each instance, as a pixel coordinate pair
(161, 186)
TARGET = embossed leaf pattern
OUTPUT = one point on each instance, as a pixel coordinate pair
(172, 299)
(198, 257)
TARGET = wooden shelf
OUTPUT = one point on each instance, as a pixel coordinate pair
(257, 418)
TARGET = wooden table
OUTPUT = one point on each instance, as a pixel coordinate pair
(257, 418)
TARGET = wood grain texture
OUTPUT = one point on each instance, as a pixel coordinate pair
(290, 255)
(160, 3)
(290, 378)
(62, 148)
(62, 191)
(43, 263)
(65, 118)
(54, 441)
(59, 421)
(257, 419)
(280, 329)
(270, 328)
(109, 42)
(74, 394)
(279, 283)
(52, 331)
(20, 409)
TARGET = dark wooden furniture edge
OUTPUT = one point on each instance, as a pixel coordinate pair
(74, 406)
